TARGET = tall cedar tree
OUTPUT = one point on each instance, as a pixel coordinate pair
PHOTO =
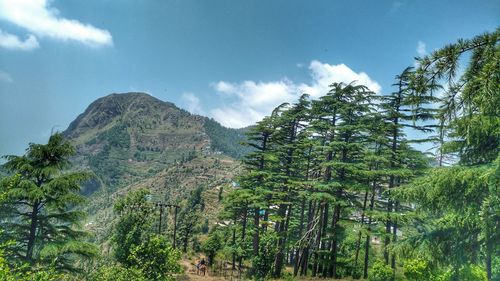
(402, 111)
(288, 171)
(461, 203)
(41, 207)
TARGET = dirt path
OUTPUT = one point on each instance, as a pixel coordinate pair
(190, 273)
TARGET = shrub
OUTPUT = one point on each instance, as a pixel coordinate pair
(117, 273)
(212, 245)
(156, 258)
(24, 273)
(263, 262)
(465, 273)
(417, 269)
(380, 272)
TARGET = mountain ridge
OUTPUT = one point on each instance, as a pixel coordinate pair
(133, 140)
(127, 137)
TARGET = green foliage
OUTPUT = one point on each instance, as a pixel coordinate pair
(472, 273)
(105, 164)
(156, 258)
(262, 264)
(226, 140)
(116, 136)
(133, 226)
(469, 110)
(380, 272)
(464, 273)
(417, 269)
(457, 208)
(212, 245)
(189, 218)
(23, 272)
(116, 272)
(107, 168)
(142, 254)
(41, 206)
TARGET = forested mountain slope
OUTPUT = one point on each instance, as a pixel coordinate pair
(125, 138)
(133, 140)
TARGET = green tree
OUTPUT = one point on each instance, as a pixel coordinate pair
(402, 111)
(213, 244)
(288, 171)
(460, 204)
(189, 218)
(380, 272)
(133, 225)
(116, 272)
(41, 207)
(342, 120)
(156, 258)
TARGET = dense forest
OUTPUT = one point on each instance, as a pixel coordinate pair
(334, 187)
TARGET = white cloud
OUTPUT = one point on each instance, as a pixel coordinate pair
(192, 103)
(11, 41)
(5, 77)
(39, 18)
(324, 74)
(250, 101)
(224, 87)
(233, 117)
(421, 49)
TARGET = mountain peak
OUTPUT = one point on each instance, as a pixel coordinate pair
(127, 137)
(130, 97)
(105, 110)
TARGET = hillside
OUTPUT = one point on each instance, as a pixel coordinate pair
(134, 140)
(125, 138)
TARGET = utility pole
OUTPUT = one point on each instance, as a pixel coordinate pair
(162, 205)
(175, 225)
(161, 215)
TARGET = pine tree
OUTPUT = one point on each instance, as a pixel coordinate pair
(288, 171)
(256, 177)
(41, 208)
(461, 203)
(403, 111)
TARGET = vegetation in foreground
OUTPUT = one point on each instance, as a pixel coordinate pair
(332, 189)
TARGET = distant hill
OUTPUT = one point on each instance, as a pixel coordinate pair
(124, 138)
(134, 140)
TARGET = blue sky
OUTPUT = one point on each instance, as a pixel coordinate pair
(231, 60)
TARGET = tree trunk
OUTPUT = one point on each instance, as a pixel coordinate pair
(387, 238)
(488, 261)
(333, 248)
(367, 242)
(233, 267)
(243, 234)
(318, 240)
(358, 242)
(283, 228)
(266, 219)
(304, 257)
(324, 267)
(279, 229)
(394, 235)
(256, 238)
(367, 253)
(394, 147)
(301, 229)
(33, 230)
